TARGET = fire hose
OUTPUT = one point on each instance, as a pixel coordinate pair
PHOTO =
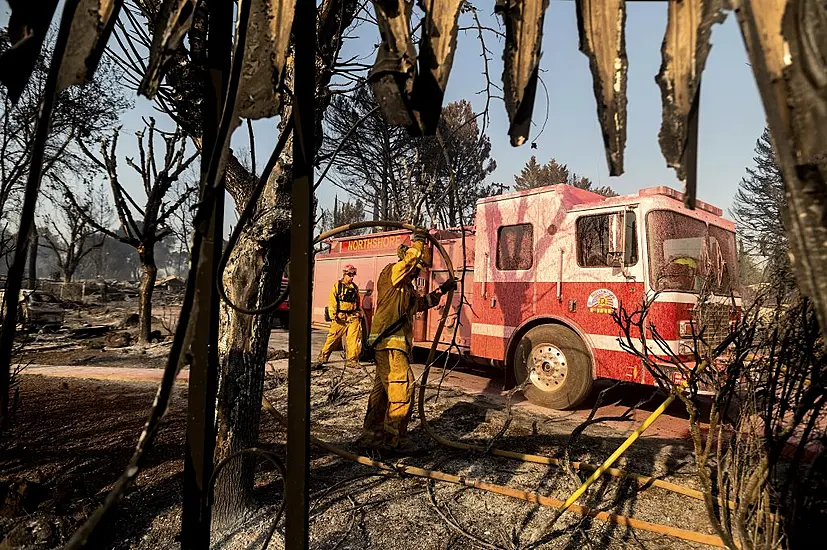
(534, 498)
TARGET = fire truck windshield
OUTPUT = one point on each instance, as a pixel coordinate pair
(687, 255)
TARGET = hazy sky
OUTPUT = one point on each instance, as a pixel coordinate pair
(731, 118)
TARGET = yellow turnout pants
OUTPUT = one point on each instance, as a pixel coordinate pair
(349, 333)
(391, 401)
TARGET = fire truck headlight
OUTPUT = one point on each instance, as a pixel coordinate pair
(685, 329)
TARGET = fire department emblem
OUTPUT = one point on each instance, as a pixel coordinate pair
(602, 300)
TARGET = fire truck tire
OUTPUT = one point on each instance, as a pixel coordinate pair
(558, 364)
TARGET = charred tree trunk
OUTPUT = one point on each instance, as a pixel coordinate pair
(253, 279)
(150, 273)
(33, 258)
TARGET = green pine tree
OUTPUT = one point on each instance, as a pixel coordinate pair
(758, 211)
(534, 175)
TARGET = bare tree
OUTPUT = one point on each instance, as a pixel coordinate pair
(416, 179)
(181, 222)
(80, 112)
(761, 456)
(343, 213)
(669, 367)
(460, 159)
(71, 235)
(142, 227)
(369, 156)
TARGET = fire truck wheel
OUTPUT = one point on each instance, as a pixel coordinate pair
(557, 365)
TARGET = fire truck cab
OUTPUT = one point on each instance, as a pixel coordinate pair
(544, 270)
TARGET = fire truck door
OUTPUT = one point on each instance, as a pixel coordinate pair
(516, 244)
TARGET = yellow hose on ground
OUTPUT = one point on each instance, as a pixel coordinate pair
(634, 436)
(647, 481)
(548, 502)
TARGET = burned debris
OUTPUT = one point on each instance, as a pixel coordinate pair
(686, 46)
(521, 57)
(436, 57)
(602, 27)
(394, 71)
(268, 36)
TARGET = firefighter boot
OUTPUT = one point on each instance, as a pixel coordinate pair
(370, 440)
(404, 447)
(320, 363)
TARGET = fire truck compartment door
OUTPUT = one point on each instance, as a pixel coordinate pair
(463, 331)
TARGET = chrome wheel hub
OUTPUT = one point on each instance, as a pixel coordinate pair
(548, 367)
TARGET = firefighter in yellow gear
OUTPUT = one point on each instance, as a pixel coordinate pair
(344, 308)
(687, 261)
(391, 401)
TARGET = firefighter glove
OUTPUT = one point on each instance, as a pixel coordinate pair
(448, 286)
(420, 236)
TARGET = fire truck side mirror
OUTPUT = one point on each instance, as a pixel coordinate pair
(630, 236)
(617, 236)
(621, 239)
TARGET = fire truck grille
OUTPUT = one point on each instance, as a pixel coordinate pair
(713, 321)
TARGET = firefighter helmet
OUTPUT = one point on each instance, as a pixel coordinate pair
(424, 260)
(349, 269)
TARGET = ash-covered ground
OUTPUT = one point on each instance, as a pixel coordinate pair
(72, 437)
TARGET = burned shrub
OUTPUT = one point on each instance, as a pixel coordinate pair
(761, 459)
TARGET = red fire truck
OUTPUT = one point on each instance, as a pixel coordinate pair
(281, 316)
(545, 269)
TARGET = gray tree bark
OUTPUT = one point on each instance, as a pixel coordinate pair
(33, 245)
(252, 279)
(150, 275)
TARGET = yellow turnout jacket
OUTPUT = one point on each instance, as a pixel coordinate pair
(396, 296)
(344, 298)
